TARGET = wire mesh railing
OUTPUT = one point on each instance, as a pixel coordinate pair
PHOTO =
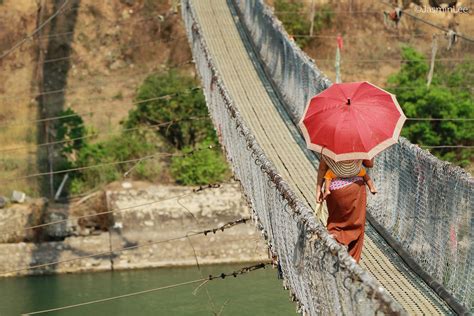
(424, 203)
(318, 271)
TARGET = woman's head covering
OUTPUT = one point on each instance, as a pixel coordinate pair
(344, 169)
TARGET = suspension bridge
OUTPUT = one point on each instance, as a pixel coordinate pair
(418, 253)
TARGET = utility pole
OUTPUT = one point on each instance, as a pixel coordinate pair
(434, 49)
(338, 58)
(313, 12)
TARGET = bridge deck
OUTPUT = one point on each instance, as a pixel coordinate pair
(276, 136)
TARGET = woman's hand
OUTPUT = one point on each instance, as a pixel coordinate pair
(319, 195)
(323, 167)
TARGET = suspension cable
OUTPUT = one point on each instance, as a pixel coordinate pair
(150, 127)
(202, 280)
(53, 118)
(429, 23)
(119, 210)
(94, 85)
(147, 244)
(112, 163)
(18, 44)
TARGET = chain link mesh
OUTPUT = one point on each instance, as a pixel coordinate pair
(319, 273)
(424, 203)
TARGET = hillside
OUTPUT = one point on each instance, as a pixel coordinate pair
(371, 50)
(95, 54)
(113, 46)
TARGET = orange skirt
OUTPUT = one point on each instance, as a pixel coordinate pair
(346, 221)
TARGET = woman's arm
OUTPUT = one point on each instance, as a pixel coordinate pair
(368, 163)
(323, 167)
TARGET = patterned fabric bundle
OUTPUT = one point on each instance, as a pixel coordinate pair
(344, 169)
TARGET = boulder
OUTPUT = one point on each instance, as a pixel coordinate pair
(57, 231)
(16, 217)
(18, 197)
(3, 202)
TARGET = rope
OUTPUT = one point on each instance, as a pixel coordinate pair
(210, 278)
(151, 127)
(147, 244)
(118, 210)
(438, 119)
(130, 76)
(116, 297)
(115, 24)
(162, 154)
(447, 146)
(429, 23)
(53, 60)
(438, 86)
(17, 45)
(393, 59)
(53, 118)
(346, 37)
(332, 11)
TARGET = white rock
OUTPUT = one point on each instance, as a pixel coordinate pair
(18, 197)
(127, 185)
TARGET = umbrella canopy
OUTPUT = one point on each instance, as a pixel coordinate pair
(355, 120)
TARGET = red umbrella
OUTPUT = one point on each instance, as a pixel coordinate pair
(355, 120)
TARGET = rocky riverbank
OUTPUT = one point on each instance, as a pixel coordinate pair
(147, 227)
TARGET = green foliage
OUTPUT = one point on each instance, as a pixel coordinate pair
(447, 97)
(8, 164)
(169, 97)
(70, 133)
(127, 146)
(293, 15)
(70, 130)
(323, 17)
(174, 99)
(199, 166)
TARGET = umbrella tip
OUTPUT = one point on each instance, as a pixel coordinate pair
(348, 102)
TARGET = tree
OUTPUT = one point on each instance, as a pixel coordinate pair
(172, 96)
(447, 97)
(201, 166)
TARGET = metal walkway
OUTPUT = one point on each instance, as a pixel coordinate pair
(276, 135)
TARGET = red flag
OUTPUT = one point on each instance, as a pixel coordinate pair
(339, 41)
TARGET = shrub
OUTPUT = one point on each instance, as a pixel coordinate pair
(200, 167)
(181, 103)
(70, 130)
(126, 146)
(323, 17)
(178, 101)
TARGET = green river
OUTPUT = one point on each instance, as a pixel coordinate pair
(256, 293)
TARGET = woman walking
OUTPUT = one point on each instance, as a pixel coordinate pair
(349, 123)
(346, 207)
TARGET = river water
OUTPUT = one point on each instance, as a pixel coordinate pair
(256, 293)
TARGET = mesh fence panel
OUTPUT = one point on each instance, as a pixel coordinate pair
(319, 273)
(424, 203)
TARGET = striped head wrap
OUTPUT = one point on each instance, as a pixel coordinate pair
(344, 169)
